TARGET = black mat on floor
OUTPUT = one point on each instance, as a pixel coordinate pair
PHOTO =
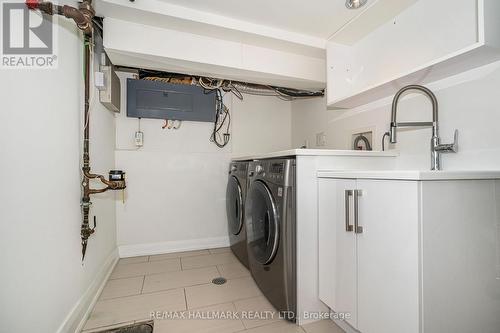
(135, 328)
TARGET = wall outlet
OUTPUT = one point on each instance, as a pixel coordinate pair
(139, 139)
(320, 139)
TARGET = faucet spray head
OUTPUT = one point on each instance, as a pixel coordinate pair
(393, 137)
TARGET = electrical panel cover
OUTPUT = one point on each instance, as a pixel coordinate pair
(159, 100)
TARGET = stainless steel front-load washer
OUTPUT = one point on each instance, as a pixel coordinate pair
(235, 209)
(271, 232)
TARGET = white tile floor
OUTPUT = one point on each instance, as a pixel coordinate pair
(180, 284)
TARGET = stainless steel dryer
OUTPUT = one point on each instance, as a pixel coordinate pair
(235, 209)
(271, 231)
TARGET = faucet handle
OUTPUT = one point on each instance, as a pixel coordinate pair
(451, 147)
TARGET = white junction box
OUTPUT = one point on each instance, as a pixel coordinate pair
(109, 86)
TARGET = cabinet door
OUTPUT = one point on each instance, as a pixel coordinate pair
(337, 249)
(388, 258)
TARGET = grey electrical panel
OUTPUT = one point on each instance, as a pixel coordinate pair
(159, 100)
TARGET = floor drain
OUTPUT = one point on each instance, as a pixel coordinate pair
(219, 280)
(146, 327)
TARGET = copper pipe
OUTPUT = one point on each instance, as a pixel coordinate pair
(83, 18)
(82, 15)
(86, 231)
(102, 190)
(112, 185)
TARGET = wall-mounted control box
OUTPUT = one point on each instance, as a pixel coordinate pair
(105, 78)
(109, 92)
(159, 100)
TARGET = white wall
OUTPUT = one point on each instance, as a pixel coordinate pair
(44, 286)
(261, 124)
(175, 199)
(468, 102)
(309, 117)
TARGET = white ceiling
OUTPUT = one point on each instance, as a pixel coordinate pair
(318, 18)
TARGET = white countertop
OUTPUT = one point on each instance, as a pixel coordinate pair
(411, 174)
(318, 152)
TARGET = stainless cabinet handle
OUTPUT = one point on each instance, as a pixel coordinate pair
(357, 228)
(348, 226)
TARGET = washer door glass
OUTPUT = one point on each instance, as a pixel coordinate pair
(262, 223)
(234, 205)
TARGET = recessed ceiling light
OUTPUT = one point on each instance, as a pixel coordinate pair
(355, 4)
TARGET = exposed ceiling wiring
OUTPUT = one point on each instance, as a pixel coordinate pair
(221, 129)
(237, 88)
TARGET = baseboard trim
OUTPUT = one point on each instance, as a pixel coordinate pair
(171, 247)
(77, 317)
(345, 326)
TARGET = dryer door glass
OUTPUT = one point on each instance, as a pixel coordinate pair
(262, 223)
(234, 205)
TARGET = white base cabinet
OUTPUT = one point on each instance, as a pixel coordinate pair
(411, 256)
(368, 250)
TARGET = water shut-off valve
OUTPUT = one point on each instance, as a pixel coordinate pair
(116, 181)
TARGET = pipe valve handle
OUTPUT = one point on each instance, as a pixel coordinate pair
(32, 4)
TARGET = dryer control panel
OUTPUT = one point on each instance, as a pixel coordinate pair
(238, 169)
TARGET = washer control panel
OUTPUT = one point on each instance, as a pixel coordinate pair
(275, 171)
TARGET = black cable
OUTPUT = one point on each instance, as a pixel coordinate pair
(143, 73)
(98, 25)
(220, 111)
(298, 93)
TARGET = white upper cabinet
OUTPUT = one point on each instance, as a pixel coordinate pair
(197, 38)
(428, 41)
(187, 53)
